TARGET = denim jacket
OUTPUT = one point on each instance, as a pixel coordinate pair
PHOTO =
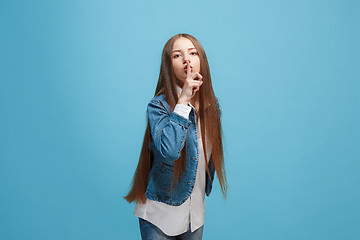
(169, 132)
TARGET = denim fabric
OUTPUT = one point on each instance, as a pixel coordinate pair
(149, 231)
(169, 132)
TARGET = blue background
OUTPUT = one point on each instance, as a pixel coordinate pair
(76, 77)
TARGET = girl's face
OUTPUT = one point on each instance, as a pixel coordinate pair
(184, 50)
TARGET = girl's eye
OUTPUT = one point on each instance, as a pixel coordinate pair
(177, 55)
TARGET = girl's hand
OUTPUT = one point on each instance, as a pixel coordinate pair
(191, 86)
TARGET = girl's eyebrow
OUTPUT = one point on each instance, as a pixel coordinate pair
(180, 50)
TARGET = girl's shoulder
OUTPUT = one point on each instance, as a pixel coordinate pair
(158, 98)
(159, 102)
(217, 100)
(218, 105)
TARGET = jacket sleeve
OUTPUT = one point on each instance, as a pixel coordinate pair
(168, 130)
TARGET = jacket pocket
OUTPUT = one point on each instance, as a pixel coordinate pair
(163, 177)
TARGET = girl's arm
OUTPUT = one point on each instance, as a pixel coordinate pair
(168, 130)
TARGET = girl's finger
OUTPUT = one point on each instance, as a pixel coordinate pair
(194, 83)
(196, 86)
(199, 75)
(194, 75)
(188, 69)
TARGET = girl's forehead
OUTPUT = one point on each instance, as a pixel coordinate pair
(183, 43)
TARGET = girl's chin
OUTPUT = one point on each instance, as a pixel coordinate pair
(182, 78)
(180, 81)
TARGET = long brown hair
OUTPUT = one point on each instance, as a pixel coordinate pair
(209, 120)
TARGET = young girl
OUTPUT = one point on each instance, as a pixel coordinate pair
(182, 146)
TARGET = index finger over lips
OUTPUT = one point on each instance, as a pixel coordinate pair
(188, 69)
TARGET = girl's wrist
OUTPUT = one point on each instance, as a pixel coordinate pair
(183, 102)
